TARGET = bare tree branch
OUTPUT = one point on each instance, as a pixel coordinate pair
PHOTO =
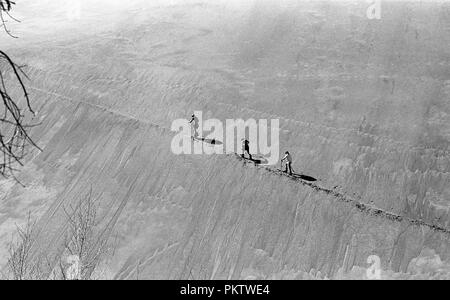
(20, 264)
(14, 137)
(5, 8)
(83, 241)
(82, 238)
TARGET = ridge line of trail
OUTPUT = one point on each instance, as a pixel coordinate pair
(362, 207)
(100, 107)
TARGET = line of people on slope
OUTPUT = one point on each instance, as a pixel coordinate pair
(287, 159)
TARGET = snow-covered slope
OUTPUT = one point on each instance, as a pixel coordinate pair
(363, 106)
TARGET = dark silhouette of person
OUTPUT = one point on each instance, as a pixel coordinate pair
(195, 124)
(246, 148)
(288, 159)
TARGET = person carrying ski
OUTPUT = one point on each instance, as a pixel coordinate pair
(246, 148)
(288, 159)
(194, 121)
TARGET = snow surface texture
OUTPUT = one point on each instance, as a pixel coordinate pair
(363, 105)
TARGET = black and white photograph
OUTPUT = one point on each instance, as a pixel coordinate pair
(225, 146)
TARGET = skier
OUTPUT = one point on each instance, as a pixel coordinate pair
(288, 159)
(246, 148)
(194, 121)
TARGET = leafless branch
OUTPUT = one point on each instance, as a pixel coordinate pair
(19, 264)
(5, 9)
(83, 240)
(14, 137)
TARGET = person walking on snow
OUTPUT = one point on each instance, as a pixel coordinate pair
(194, 121)
(246, 148)
(288, 159)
